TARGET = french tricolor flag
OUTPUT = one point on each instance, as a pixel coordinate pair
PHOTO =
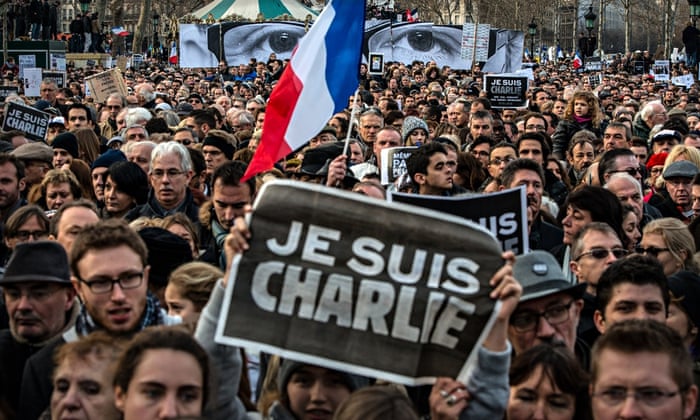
(322, 74)
(577, 63)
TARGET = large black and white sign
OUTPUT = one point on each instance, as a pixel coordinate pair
(237, 42)
(32, 122)
(357, 284)
(504, 213)
(506, 90)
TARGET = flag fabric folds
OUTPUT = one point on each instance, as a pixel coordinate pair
(120, 31)
(578, 63)
(173, 53)
(321, 76)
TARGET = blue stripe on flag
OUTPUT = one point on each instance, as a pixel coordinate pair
(344, 49)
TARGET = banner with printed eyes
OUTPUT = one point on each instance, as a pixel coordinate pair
(356, 284)
(203, 45)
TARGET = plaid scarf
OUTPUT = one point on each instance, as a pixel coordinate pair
(152, 315)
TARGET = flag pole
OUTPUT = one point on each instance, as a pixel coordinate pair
(353, 112)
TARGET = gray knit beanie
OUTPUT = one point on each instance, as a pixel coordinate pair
(412, 123)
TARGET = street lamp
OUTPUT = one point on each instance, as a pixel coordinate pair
(694, 10)
(590, 24)
(532, 30)
(84, 5)
(156, 47)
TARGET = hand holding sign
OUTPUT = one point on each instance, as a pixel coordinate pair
(448, 399)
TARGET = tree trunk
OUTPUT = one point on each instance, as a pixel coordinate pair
(628, 27)
(117, 9)
(141, 32)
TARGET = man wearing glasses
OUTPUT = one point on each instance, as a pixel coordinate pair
(196, 101)
(170, 173)
(641, 369)
(110, 274)
(550, 306)
(678, 178)
(617, 161)
(114, 103)
(41, 304)
(594, 248)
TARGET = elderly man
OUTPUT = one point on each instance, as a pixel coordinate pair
(170, 173)
(140, 153)
(41, 306)
(48, 90)
(652, 114)
(678, 178)
(240, 120)
(629, 191)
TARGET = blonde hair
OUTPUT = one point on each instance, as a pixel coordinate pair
(593, 107)
(677, 238)
(195, 281)
(375, 403)
(270, 390)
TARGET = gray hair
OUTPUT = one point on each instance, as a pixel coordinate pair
(243, 117)
(171, 118)
(173, 148)
(128, 127)
(118, 96)
(648, 109)
(626, 177)
(147, 92)
(137, 115)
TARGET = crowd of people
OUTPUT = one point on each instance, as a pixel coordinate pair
(118, 232)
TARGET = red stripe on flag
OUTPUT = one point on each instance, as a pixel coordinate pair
(282, 103)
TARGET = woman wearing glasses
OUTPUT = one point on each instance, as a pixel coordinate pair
(669, 241)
